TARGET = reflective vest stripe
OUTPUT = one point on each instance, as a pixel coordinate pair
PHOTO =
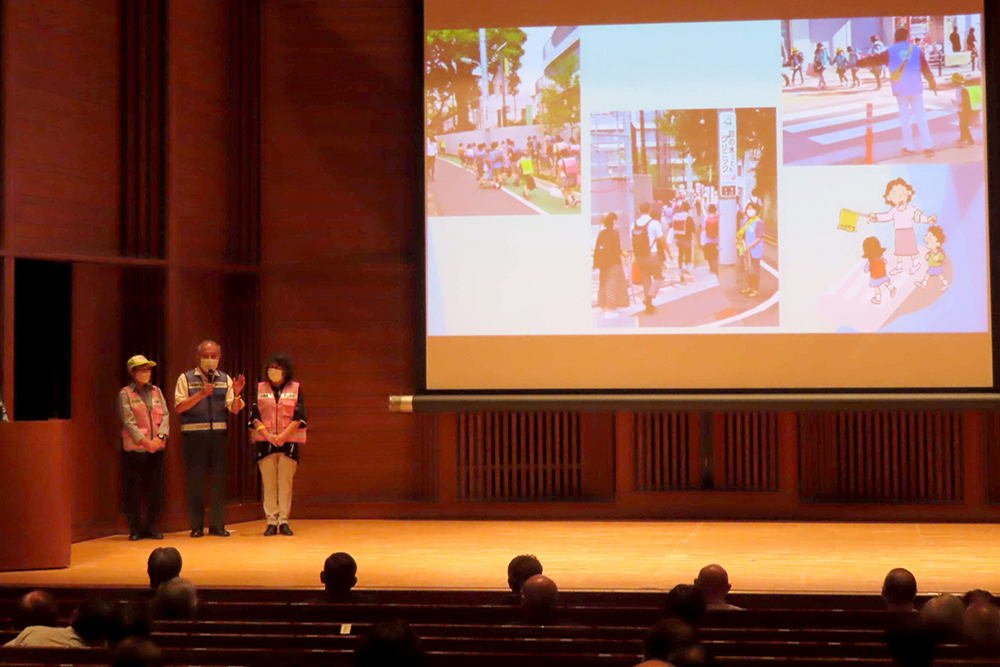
(213, 426)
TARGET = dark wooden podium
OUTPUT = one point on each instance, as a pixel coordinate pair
(36, 495)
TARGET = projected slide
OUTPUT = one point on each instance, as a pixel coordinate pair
(749, 192)
(507, 141)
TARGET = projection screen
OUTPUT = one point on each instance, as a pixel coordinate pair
(672, 196)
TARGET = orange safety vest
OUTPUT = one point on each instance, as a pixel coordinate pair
(277, 414)
(148, 423)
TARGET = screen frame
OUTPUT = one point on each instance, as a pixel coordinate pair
(686, 398)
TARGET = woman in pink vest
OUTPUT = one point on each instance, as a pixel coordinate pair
(278, 427)
(145, 427)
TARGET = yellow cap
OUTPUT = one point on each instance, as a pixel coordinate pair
(138, 360)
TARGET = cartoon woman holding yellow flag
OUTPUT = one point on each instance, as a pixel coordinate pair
(903, 215)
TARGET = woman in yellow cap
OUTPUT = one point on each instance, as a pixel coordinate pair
(145, 427)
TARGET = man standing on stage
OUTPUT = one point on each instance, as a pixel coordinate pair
(145, 427)
(204, 396)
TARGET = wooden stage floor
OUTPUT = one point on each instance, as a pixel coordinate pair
(592, 555)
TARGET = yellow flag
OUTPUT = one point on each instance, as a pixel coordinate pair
(849, 220)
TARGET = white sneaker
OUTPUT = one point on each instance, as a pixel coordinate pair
(915, 268)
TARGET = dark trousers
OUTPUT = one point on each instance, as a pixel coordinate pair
(712, 256)
(205, 460)
(142, 484)
(754, 273)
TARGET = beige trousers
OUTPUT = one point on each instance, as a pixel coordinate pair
(276, 473)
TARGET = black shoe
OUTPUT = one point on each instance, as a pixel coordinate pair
(218, 532)
(197, 532)
(271, 530)
(154, 535)
(134, 537)
(285, 530)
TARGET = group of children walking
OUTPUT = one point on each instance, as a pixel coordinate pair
(499, 162)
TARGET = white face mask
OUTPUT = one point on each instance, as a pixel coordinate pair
(209, 364)
(275, 375)
(143, 377)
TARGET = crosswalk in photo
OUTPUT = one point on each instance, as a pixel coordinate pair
(836, 133)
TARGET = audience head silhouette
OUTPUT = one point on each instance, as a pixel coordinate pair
(977, 595)
(339, 574)
(126, 620)
(713, 582)
(686, 602)
(90, 620)
(520, 569)
(666, 638)
(981, 628)
(136, 652)
(942, 617)
(539, 597)
(175, 600)
(36, 608)
(163, 565)
(899, 590)
(390, 643)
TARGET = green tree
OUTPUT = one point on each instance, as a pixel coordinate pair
(695, 133)
(451, 70)
(560, 103)
(756, 134)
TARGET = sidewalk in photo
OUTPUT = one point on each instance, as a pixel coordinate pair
(831, 127)
(848, 302)
(702, 300)
(539, 201)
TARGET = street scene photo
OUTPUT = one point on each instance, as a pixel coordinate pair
(684, 207)
(882, 90)
(502, 121)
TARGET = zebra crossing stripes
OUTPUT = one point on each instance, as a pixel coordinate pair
(847, 122)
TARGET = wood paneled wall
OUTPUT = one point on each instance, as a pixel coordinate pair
(339, 290)
(61, 72)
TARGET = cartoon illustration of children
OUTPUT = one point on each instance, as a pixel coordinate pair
(872, 250)
(903, 214)
(934, 239)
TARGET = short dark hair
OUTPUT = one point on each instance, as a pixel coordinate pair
(175, 600)
(390, 643)
(284, 361)
(686, 602)
(901, 34)
(977, 595)
(645, 207)
(900, 586)
(36, 608)
(665, 637)
(136, 652)
(520, 569)
(340, 572)
(126, 620)
(163, 565)
(91, 619)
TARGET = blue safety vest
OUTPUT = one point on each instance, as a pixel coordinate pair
(210, 413)
(906, 77)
